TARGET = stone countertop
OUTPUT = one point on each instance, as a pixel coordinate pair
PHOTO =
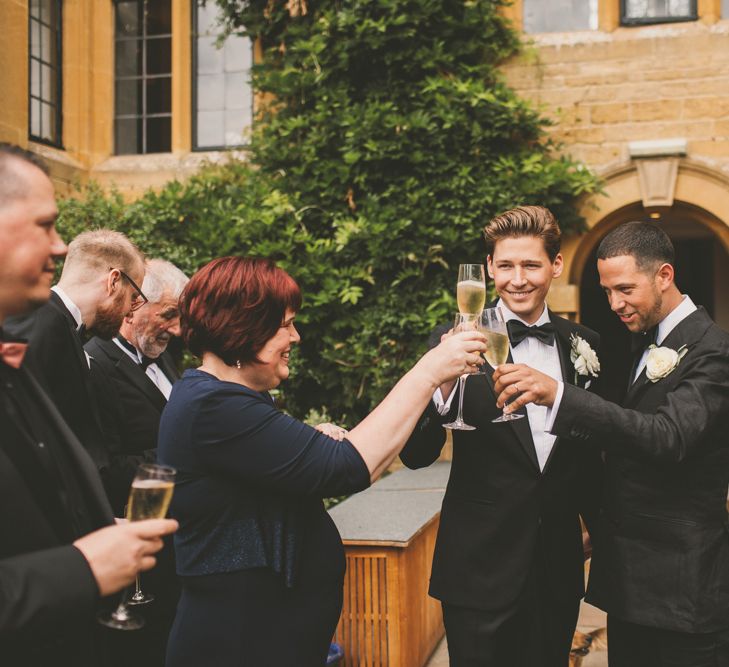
(393, 510)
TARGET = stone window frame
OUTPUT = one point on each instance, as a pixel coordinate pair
(692, 15)
(36, 66)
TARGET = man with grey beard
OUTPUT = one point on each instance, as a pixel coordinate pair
(132, 375)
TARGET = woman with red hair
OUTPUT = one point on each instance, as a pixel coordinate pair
(261, 562)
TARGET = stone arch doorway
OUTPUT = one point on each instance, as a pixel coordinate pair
(702, 271)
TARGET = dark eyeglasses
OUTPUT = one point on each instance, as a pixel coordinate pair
(138, 300)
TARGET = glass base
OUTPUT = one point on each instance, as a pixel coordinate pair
(507, 418)
(140, 598)
(459, 426)
(120, 619)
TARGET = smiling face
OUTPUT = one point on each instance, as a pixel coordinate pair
(29, 243)
(635, 296)
(273, 360)
(522, 273)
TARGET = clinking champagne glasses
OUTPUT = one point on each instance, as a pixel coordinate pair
(462, 322)
(491, 324)
(149, 498)
(471, 288)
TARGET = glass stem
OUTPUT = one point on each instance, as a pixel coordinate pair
(461, 391)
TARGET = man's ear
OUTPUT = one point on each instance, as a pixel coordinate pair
(490, 266)
(665, 276)
(557, 266)
(112, 281)
(129, 317)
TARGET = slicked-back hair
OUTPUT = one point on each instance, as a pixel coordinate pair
(647, 243)
(160, 277)
(100, 250)
(525, 221)
(234, 305)
(12, 186)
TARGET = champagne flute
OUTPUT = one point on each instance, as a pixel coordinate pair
(471, 288)
(491, 324)
(462, 322)
(149, 498)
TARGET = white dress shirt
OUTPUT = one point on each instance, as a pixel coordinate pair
(153, 371)
(540, 356)
(75, 313)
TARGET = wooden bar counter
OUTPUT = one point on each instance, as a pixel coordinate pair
(389, 533)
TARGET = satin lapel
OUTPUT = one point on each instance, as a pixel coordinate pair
(686, 332)
(563, 329)
(84, 465)
(77, 342)
(521, 427)
(136, 376)
(167, 364)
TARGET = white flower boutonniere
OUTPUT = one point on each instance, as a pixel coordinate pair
(583, 357)
(662, 361)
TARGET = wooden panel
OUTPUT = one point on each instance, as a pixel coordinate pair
(387, 619)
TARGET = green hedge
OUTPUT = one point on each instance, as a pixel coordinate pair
(392, 142)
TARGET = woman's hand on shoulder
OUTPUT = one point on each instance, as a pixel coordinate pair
(332, 430)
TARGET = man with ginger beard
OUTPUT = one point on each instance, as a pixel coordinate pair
(98, 287)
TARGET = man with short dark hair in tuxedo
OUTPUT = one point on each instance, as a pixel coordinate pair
(508, 565)
(98, 286)
(132, 375)
(60, 550)
(661, 562)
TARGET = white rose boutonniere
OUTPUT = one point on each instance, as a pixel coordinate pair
(662, 361)
(583, 357)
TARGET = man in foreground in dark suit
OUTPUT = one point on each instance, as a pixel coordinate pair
(661, 562)
(59, 548)
(98, 286)
(508, 566)
(132, 375)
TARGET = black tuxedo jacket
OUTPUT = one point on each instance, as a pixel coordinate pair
(47, 591)
(501, 515)
(662, 556)
(56, 357)
(130, 406)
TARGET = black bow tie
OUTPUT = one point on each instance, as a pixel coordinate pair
(146, 361)
(640, 341)
(518, 331)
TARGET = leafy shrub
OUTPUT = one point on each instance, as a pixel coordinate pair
(390, 141)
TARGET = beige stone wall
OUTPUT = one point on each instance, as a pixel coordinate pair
(605, 89)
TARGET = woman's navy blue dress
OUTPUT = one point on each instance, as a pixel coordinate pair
(261, 562)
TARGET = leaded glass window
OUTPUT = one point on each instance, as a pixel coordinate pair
(657, 11)
(559, 15)
(44, 71)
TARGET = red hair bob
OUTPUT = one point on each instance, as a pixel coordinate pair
(234, 305)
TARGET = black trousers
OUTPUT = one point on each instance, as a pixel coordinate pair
(535, 632)
(631, 645)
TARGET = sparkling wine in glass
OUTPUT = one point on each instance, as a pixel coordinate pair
(149, 498)
(462, 322)
(471, 288)
(491, 324)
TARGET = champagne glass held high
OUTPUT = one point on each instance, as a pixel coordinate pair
(491, 324)
(149, 498)
(462, 322)
(471, 288)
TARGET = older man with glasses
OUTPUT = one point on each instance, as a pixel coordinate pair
(99, 285)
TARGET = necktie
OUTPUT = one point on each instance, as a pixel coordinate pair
(638, 344)
(518, 331)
